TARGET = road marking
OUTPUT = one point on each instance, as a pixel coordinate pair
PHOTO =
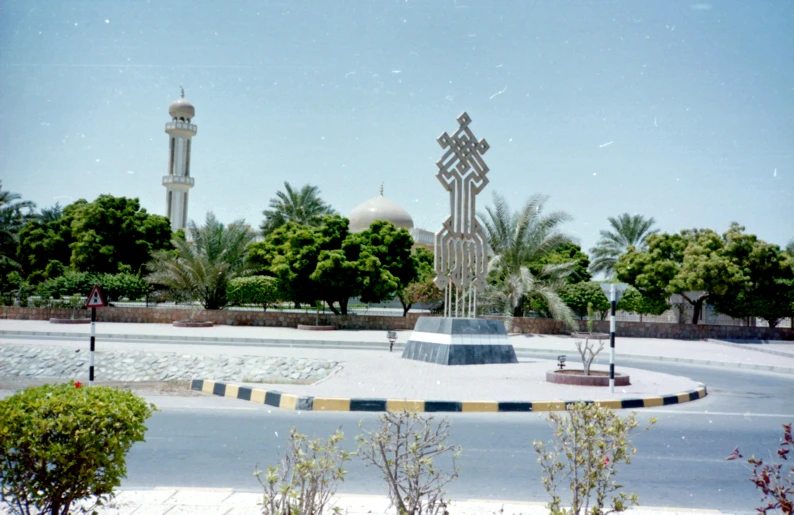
(719, 413)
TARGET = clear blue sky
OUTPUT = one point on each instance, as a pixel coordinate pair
(683, 111)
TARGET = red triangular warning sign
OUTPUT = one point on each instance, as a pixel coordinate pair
(95, 299)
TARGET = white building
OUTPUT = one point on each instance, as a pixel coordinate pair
(381, 208)
(178, 181)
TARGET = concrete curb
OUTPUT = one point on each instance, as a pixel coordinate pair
(705, 362)
(308, 403)
(188, 339)
(753, 346)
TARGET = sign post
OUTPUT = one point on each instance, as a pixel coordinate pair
(95, 300)
(615, 291)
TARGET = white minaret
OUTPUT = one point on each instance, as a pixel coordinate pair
(178, 181)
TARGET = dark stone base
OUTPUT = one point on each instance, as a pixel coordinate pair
(459, 341)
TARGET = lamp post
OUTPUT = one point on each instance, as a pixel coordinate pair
(615, 291)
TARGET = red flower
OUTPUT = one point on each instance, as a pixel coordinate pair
(606, 461)
(78, 384)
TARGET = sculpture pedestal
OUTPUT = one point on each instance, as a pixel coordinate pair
(459, 341)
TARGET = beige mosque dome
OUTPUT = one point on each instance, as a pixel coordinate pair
(182, 108)
(379, 208)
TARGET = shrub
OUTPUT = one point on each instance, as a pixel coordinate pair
(114, 286)
(257, 289)
(776, 486)
(404, 448)
(589, 442)
(118, 286)
(306, 479)
(69, 283)
(60, 444)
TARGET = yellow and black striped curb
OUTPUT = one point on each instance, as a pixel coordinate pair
(296, 402)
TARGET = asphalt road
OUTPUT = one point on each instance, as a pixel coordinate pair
(215, 442)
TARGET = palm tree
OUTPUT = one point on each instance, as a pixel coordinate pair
(13, 215)
(628, 230)
(202, 268)
(518, 239)
(51, 214)
(304, 207)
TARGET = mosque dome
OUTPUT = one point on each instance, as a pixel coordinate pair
(379, 208)
(182, 108)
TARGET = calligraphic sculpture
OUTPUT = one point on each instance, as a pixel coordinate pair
(461, 261)
(461, 265)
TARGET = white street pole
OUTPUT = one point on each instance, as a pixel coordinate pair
(93, 345)
(613, 305)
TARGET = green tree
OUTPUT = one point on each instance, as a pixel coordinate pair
(578, 296)
(421, 288)
(633, 301)
(13, 215)
(565, 253)
(392, 248)
(692, 260)
(519, 240)
(115, 230)
(627, 231)
(768, 289)
(108, 235)
(328, 263)
(303, 207)
(44, 246)
(51, 214)
(201, 269)
(291, 253)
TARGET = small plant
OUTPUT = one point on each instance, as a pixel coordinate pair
(589, 442)
(405, 448)
(306, 479)
(777, 487)
(194, 311)
(60, 444)
(588, 351)
(590, 317)
(587, 348)
(76, 302)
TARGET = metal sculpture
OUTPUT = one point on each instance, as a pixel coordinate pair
(461, 261)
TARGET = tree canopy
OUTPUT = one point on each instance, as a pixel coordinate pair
(627, 231)
(109, 235)
(303, 207)
(768, 287)
(14, 213)
(328, 263)
(735, 272)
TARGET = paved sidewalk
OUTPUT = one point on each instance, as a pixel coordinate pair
(683, 351)
(161, 501)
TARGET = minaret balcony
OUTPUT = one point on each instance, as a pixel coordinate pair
(178, 180)
(178, 125)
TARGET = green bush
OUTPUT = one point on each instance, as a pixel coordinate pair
(305, 480)
(60, 444)
(589, 442)
(114, 286)
(69, 283)
(257, 289)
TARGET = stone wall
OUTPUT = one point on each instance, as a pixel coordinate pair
(230, 317)
(384, 323)
(691, 332)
